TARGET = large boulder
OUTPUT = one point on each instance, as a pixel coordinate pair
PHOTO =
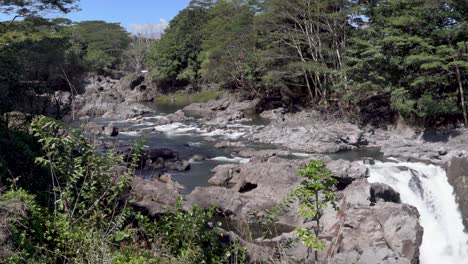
(311, 132)
(254, 186)
(155, 196)
(137, 88)
(115, 99)
(345, 172)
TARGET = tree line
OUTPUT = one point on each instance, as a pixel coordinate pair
(330, 54)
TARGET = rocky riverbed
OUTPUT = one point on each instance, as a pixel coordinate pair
(244, 164)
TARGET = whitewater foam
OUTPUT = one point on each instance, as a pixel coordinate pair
(427, 188)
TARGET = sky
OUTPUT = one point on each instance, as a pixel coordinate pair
(134, 15)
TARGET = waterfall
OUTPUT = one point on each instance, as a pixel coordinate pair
(426, 187)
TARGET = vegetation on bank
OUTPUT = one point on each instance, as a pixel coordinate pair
(186, 98)
(330, 54)
(84, 214)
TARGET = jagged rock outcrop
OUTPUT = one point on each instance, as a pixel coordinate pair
(437, 147)
(115, 99)
(360, 232)
(223, 110)
(457, 174)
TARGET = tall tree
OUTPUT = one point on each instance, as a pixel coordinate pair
(312, 35)
(229, 42)
(174, 56)
(414, 51)
(103, 43)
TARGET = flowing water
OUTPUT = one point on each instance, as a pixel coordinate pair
(426, 187)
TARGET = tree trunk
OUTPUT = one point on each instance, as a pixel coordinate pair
(462, 96)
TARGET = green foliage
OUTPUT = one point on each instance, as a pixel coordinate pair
(184, 98)
(25, 8)
(411, 50)
(187, 237)
(86, 217)
(102, 43)
(315, 194)
(228, 45)
(174, 56)
(87, 185)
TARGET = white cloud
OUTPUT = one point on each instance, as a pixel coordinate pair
(152, 30)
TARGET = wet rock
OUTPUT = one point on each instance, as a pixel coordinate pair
(226, 109)
(310, 132)
(274, 179)
(178, 116)
(346, 172)
(229, 144)
(274, 114)
(196, 158)
(155, 154)
(457, 174)
(360, 232)
(437, 147)
(266, 153)
(383, 192)
(223, 174)
(99, 130)
(179, 165)
(387, 231)
(111, 131)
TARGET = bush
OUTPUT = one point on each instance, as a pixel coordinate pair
(87, 217)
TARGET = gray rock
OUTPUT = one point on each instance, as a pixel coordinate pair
(221, 111)
(155, 196)
(457, 174)
(274, 114)
(196, 158)
(116, 99)
(346, 172)
(361, 232)
(265, 153)
(310, 132)
(229, 144)
(383, 192)
(179, 165)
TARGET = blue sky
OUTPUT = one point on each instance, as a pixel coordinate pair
(128, 12)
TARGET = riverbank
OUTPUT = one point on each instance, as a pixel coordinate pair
(254, 158)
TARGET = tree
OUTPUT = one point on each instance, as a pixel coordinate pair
(311, 36)
(174, 56)
(414, 51)
(33, 8)
(230, 37)
(136, 55)
(315, 193)
(102, 43)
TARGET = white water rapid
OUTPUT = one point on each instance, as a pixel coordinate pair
(426, 187)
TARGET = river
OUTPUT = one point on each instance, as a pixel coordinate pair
(423, 186)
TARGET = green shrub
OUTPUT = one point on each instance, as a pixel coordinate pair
(87, 217)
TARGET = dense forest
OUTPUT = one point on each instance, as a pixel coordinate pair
(333, 55)
(61, 201)
(336, 55)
